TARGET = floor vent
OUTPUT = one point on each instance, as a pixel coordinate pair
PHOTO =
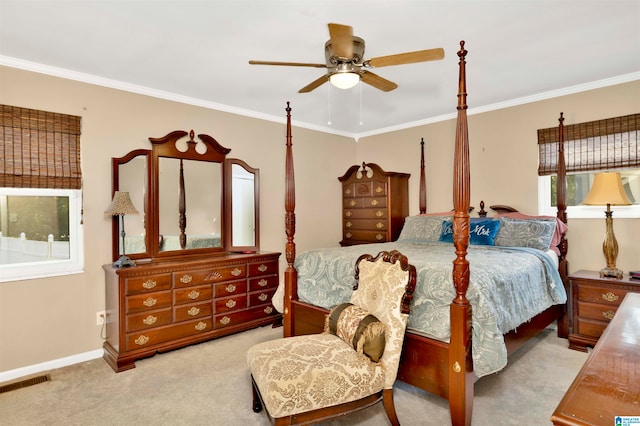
(24, 383)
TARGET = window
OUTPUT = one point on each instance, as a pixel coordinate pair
(40, 196)
(605, 145)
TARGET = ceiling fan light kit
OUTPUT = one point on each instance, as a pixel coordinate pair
(344, 55)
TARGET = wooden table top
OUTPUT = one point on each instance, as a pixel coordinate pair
(608, 385)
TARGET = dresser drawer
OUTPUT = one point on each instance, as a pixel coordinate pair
(370, 236)
(261, 297)
(147, 338)
(192, 294)
(135, 285)
(366, 224)
(365, 214)
(230, 288)
(610, 296)
(189, 312)
(202, 276)
(230, 304)
(146, 302)
(367, 202)
(263, 268)
(234, 318)
(263, 283)
(149, 320)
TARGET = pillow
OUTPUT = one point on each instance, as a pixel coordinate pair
(358, 328)
(561, 227)
(421, 229)
(482, 232)
(526, 233)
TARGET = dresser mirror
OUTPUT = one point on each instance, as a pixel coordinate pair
(243, 195)
(191, 199)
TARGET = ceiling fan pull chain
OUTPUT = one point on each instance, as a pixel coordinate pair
(329, 105)
(360, 89)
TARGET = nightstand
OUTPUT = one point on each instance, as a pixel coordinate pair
(594, 301)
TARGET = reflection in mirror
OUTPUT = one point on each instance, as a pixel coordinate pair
(243, 206)
(190, 206)
(132, 178)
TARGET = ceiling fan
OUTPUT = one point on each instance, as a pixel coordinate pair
(345, 62)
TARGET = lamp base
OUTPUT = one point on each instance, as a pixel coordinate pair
(123, 262)
(611, 272)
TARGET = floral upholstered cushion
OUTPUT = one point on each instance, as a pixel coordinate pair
(304, 373)
(358, 328)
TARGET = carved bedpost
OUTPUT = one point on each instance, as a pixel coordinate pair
(290, 274)
(561, 202)
(460, 363)
(423, 180)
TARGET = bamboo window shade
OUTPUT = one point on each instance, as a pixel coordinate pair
(612, 143)
(39, 149)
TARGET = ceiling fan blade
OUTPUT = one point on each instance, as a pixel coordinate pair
(407, 58)
(314, 84)
(342, 40)
(378, 82)
(288, 64)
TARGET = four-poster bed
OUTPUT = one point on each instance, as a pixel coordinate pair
(444, 367)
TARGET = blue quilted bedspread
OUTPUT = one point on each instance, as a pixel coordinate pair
(508, 287)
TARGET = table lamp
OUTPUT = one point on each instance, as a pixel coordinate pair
(121, 205)
(607, 190)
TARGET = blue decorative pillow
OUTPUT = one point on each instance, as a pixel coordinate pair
(526, 233)
(482, 232)
(421, 229)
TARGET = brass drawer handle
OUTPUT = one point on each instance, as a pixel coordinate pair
(263, 297)
(193, 311)
(348, 224)
(352, 203)
(262, 282)
(236, 272)
(374, 202)
(150, 320)
(231, 288)
(268, 310)
(608, 315)
(201, 326)
(225, 320)
(262, 267)
(379, 213)
(193, 294)
(186, 279)
(379, 237)
(231, 303)
(149, 284)
(347, 191)
(142, 340)
(610, 297)
(348, 213)
(348, 235)
(151, 301)
(379, 225)
(379, 189)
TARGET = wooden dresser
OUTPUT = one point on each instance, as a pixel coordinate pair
(594, 301)
(607, 388)
(374, 204)
(164, 305)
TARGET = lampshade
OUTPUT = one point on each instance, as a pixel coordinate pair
(121, 205)
(607, 189)
(344, 80)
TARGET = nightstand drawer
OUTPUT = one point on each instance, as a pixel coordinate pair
(590, 328)
(596, 311)
(611, 296)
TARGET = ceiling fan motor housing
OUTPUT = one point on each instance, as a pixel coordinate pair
(333, 61)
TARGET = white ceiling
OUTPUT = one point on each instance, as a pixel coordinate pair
(198, 51)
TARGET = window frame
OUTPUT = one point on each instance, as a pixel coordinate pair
(58, 267)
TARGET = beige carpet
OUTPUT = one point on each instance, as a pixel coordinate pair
(208, 384)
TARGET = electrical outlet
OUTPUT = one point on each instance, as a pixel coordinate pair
(101, 317)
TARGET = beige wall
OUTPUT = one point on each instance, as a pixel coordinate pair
(47, 319)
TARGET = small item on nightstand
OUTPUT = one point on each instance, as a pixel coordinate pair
(634, 275)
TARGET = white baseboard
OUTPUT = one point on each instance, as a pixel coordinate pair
(29, 370)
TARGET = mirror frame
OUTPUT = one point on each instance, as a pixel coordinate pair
(228, 196)
(116, 162)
